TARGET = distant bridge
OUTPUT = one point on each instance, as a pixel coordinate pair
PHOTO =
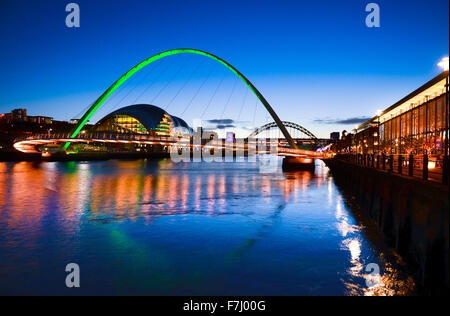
(287, 125)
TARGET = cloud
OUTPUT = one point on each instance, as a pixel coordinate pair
(347, 121)
(221, 121)
(223, 126)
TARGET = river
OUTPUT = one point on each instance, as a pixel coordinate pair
(154, 227)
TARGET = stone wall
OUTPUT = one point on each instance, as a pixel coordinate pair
(412, 214)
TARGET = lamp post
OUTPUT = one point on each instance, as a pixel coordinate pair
(378, 121)
(378, 114)
(444, 64)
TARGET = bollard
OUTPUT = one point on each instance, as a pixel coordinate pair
(425, 167)
(378, 161)
(383, 157)
(400, 164)
(411, 165)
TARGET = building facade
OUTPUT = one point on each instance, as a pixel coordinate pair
(143, 119)
(416, 124)
(20, 116)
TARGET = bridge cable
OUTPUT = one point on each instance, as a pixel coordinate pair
(144, 78)
(243, 103)
(128, 93)
(229, 98)
(185, 83)
(110, 105)
(84, 110)
(169, 81)
(197, 92)
(212, 97)
(254, 113)
(151, 83)
(131, 90)
(127, 84)
(79, 114)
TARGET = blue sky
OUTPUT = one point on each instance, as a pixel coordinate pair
(315, 61)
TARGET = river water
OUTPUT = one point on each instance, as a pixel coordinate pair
(158, 228)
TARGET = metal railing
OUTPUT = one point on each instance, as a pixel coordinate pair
(93, 136)
(428, 168)
(152, 138)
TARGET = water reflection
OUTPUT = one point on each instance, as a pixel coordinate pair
(389, 282)
(203, 228)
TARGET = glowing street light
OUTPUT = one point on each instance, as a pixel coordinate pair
(444, 63)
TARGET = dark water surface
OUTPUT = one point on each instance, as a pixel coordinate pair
(158, 228)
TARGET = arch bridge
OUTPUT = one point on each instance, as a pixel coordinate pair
(287, 124)
(95, 106)
(27, 145)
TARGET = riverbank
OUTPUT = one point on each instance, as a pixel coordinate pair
(412, 215)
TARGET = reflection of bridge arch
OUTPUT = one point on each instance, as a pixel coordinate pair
(288, 125)
(148, 61)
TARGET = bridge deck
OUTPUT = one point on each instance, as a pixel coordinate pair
(31, 144)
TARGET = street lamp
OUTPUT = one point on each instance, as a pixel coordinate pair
(444, 64)
(378, 114)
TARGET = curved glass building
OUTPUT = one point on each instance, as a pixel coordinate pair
(143, 119)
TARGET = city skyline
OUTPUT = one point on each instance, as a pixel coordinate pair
(225, 156)
(292, 63)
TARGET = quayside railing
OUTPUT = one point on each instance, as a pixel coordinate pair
(425, 167)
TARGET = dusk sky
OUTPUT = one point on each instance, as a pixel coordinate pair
(316, 62)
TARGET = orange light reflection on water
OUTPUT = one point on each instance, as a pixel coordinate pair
(129, 191)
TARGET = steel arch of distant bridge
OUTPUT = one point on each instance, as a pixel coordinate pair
(286, 124)
(148, 61)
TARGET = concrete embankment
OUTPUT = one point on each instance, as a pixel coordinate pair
(412, 214)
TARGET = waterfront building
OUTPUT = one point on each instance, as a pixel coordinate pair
(143, 119)
(334, 136)
(416, 124)
(367, 140)
(20, 116)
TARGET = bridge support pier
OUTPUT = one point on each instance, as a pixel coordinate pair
(298, 163)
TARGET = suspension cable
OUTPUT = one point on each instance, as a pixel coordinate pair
(128, 93)
(158, 65)
(229, 98)
(196, 93)
(243, 103)
(185, 83)
(254, 113)
(169, 81)
(212, 97)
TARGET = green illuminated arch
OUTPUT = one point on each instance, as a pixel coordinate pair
(148, 61)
